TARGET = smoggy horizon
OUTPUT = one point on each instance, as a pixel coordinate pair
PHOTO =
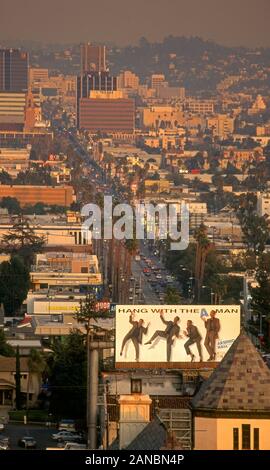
(241, 23)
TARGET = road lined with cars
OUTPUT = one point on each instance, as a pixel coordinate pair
(149, 271)
(30, 436)
(150, 278)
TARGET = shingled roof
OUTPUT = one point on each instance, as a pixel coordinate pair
(152, 437)
(241, 382)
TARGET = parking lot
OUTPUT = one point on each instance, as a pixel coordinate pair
(41, 434)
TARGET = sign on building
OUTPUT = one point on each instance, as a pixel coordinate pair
(189, 336)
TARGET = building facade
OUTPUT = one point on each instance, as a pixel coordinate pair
(13, 70)
(30, 195)
(93, 57)
(107, 115)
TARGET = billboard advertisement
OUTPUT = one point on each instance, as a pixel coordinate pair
(191, 336)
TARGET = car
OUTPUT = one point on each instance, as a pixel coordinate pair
(158, 276)
(4, 443)
(62, 434)
(27, 442)
(74, 446)
(77, 438)
(67, 425)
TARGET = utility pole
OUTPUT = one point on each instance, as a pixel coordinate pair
(92, 389)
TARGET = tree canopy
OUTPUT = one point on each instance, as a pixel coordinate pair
(14, 284)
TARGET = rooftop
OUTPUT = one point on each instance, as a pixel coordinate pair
(241, 382)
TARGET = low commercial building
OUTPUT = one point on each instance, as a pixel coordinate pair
(14, 160)
(161, 116)
(200, 106)
(30, 195)
(53, 272)
(56, 231)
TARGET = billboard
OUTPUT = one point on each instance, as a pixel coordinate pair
(190, 336)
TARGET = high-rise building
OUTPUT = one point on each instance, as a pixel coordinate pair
(221, 125)
(38, 75)
(157, 80)
(107, 112)
(93, 81)
(93, 58)
(128, 79)
(13, 70)
(12, 107)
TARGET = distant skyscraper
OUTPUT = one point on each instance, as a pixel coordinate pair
(13, 70)
(93, 58)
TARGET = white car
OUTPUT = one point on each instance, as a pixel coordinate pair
(61, 435)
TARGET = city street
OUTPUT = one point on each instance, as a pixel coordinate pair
(41, 434)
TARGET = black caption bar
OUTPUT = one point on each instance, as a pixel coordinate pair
(123, 459)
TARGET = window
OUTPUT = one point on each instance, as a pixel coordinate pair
(245, 436)
(256, 439)
(84, 269)
(136, 386)
(43, 286)
(235, 438)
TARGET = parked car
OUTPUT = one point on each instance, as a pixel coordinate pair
(77, 438)
(27, 442)
(4, 443)
(62, 434)
(67, 425)
(74, 446)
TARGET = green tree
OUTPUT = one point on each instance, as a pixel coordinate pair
(36, 365)
(67, 376)
(255, 231)
(172, 296)
(21, 240)
(260, 302)
(14, 284)
(18, 397)
(5, 178)
(5, 348)
(11, 204)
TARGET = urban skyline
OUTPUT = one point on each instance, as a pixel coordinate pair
(134, 229)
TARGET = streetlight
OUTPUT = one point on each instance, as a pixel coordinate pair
(189, 280)
(212, 293)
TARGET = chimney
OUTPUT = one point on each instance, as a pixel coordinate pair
(134, 416)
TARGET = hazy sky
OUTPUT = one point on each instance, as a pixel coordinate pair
(230, 22)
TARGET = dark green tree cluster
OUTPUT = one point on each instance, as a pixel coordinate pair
(21, 240)
(67, 377)
(5, 348)
(14, 284)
